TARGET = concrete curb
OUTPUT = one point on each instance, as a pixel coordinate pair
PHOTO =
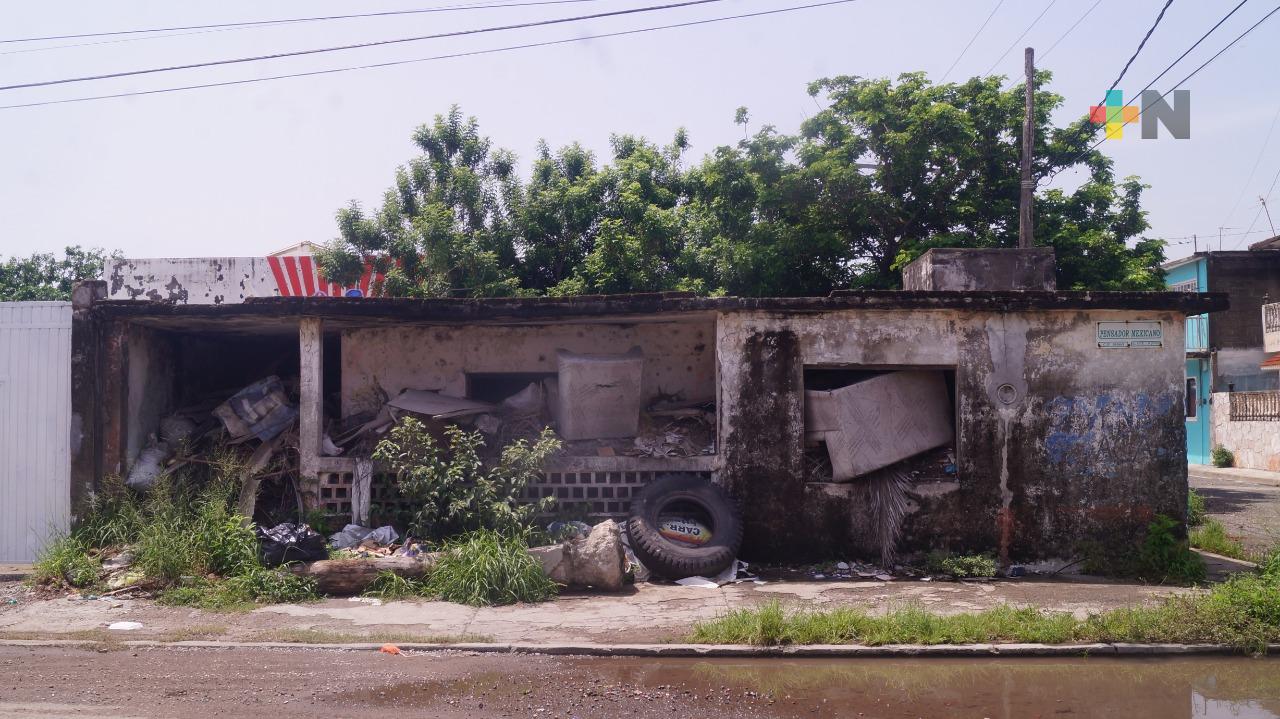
(702, 650)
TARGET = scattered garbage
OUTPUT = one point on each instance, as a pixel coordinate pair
(684, 530)
(700, 582)
(1016, 571)
(564, 531)
(288, 542)
(150, 463)
(353, 535)
(10, 601)
(372, 601)
(124, 626)
(733, 574)
(260, 410)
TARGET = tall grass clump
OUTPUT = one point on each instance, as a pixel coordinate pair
(1196, 513)
(186, 538)
(487, 568)
(1212, 537)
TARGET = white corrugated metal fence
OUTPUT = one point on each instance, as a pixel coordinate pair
(35, 419)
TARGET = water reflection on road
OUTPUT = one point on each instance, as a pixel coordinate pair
(1236, 687)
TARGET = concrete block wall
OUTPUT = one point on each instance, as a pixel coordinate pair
(1256, 445)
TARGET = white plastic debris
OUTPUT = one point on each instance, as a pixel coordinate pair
(374, 601)
(124, 626)
(842, 565)
(700, 582)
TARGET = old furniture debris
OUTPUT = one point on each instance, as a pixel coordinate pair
(874, 423)
(599, 394)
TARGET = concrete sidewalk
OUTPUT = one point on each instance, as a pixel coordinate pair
(1246, 501)
(647, 613)
(1236, 474)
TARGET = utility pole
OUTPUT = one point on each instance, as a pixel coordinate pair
(1025, 233)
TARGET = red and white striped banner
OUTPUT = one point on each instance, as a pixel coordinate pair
(299, 276)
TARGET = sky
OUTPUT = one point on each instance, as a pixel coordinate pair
(252, 168)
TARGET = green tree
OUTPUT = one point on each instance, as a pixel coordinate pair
(45, 276)
(441, 230)
(889, 169)
(941, 169)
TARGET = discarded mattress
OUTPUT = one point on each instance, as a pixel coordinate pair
(599, 394)
(880, 421)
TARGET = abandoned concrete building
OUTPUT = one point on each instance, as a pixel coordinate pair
(1014, 421)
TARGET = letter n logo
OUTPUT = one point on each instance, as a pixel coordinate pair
(1156, 111)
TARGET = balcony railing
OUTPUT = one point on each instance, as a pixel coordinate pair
(1198, 333)
(1255, 406)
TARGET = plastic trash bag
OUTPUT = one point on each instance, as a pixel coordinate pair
(149, 465)
(353, 535)
(290, 542)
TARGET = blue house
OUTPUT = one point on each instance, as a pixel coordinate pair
(1224, 353)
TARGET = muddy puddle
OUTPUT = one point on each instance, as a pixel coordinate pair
(1240, 688)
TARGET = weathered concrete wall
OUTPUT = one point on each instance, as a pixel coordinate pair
(679, 356)
(966, 269)
(1256, 445)
(1058, 441)
(150, 386)
(220, 280)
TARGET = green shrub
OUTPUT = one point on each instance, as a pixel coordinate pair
(1195, 509)
(1163, 556)
(1212, 537)
(112, 516)
(390, 586)
(66, 562)
(961, 566)
(486, 568)
(242, 591)
(454, 492)
(1222, 457)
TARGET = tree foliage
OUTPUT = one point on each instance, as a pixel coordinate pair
(45, 276)
(887, 170)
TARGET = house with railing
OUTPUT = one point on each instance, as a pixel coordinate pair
(1231, 380)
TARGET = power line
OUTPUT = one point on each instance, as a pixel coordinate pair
(1141, 45)
(232, 27)
(1061, 37)
(1193, 73)
(376, 43)
(981, 27)
(251, 23)
(1257, 161)
(1019, 38)
(449, 56)
(1074, 25)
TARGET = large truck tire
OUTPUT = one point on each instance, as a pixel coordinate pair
(684, 496)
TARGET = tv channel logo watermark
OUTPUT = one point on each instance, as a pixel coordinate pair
(1114, 114)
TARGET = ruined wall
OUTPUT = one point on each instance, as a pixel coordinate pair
(1256, 445)
(151, 386)
(679, 356)
(1058, 441)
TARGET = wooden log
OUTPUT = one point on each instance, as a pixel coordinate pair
(341, 577)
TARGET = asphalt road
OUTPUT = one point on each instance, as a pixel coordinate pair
(163, 683)
(1249, 510)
